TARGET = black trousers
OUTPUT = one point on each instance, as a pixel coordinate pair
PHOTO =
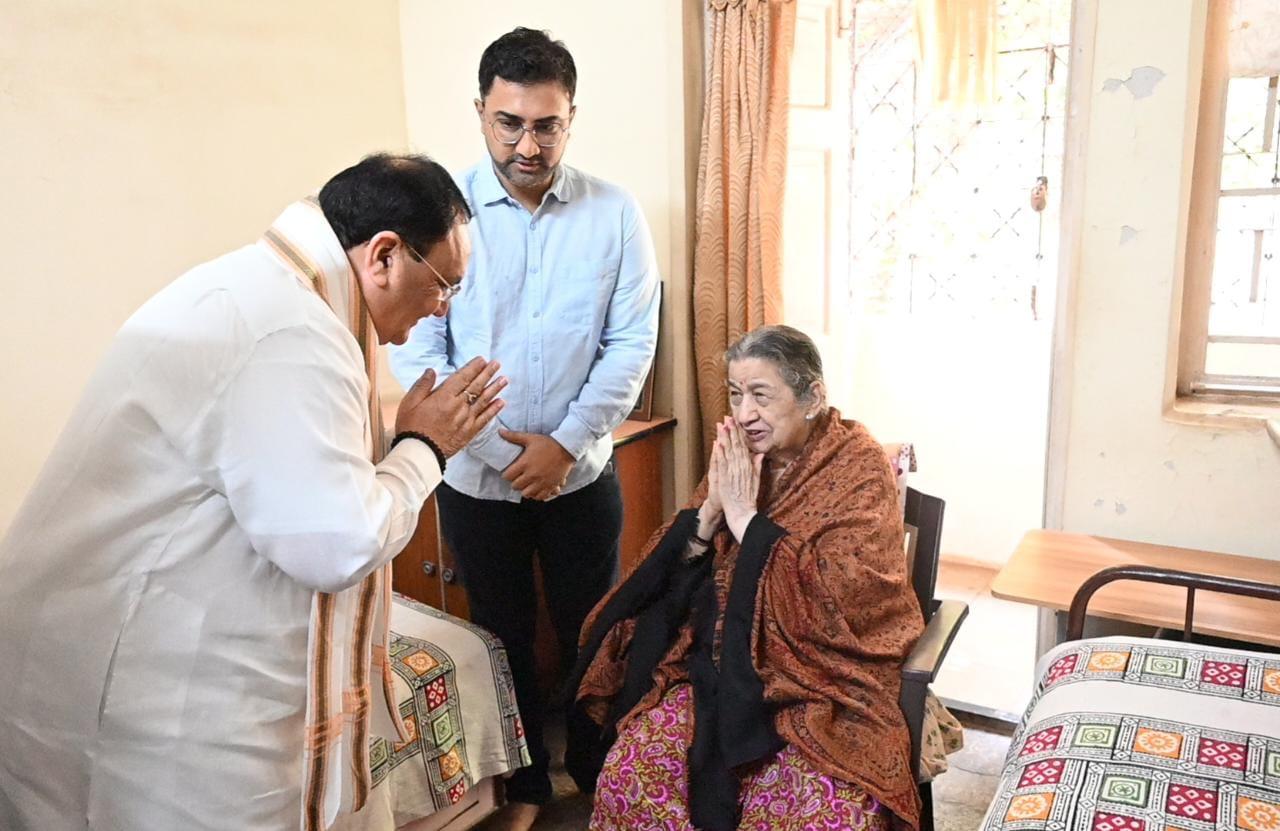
(575, 537)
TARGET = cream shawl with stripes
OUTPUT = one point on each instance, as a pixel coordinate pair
(347, 668)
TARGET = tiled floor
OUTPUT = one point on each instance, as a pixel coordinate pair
(961, 795)
(991, 666)
(568, 810)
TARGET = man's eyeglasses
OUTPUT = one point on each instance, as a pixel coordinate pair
(546, 134)
(448, 290)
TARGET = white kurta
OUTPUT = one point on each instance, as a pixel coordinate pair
(156, 587)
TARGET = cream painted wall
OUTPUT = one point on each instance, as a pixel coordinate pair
(630, 129)
(972, 396)
(1119, 466)
(141, 138)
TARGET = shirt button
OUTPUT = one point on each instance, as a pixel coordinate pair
(533, 269)
(537, 314)
(533, 225)
(535, 359)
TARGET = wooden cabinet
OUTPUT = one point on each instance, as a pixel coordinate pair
(639, 448)
(426, 569)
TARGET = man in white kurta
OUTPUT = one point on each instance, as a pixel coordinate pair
(157, 589)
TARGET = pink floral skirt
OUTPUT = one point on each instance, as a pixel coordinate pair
(644, 783)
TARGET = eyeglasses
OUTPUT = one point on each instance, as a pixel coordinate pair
(510, 131)
(448, 290)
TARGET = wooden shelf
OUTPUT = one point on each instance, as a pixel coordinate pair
(635, 429)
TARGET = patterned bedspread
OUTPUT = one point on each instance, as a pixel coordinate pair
(455, 694)
(1129, 734)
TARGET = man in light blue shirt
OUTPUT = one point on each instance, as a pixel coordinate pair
(562, 289)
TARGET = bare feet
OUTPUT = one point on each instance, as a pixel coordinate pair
(514, 816)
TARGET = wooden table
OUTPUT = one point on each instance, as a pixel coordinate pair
(1048, 566)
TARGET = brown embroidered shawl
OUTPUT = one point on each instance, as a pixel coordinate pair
(835, 617)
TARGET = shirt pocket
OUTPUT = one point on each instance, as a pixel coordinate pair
(470, 341)
(582, 291)
(470, 325)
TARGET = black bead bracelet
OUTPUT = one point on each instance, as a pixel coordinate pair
(410, 434)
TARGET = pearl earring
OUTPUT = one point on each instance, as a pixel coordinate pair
(809, 417)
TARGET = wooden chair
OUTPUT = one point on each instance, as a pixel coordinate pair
(923, 520)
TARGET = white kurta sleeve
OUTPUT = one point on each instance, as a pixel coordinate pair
(290, 457)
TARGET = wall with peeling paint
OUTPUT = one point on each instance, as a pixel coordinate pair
(1126, 470)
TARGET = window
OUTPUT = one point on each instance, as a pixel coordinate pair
(942, 222)
(1242, 352)
(1230, 337)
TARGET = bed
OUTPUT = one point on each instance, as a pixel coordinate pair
(454, 690)
(1137, 734)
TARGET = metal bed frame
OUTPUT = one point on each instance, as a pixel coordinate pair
(1149, 574)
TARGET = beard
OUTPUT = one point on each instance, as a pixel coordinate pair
(520, 178)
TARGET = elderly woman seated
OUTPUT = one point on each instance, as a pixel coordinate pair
(747, 672)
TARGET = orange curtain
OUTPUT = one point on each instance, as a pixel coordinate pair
(737, 270)
(957, 50)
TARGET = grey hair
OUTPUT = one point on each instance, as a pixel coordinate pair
(790, 350)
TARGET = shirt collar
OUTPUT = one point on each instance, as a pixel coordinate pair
(302, 239)
(562, 184)
(489, 190)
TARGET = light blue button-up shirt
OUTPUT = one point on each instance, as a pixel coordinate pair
(567, 299)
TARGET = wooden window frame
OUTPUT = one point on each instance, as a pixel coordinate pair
(1202, 230)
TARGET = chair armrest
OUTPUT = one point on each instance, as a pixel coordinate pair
(925, 660)
(922, 667)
